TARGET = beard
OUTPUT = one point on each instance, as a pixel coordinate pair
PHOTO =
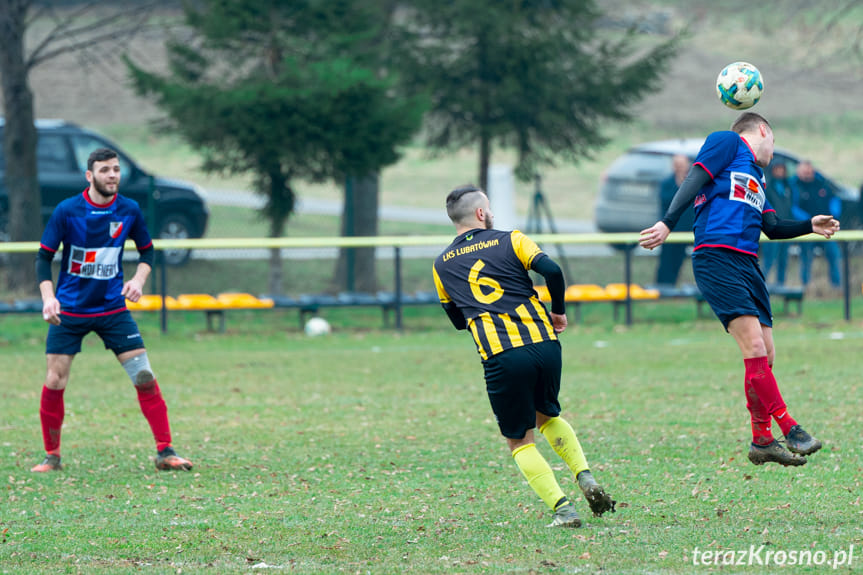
(102, 189)
(489, 223)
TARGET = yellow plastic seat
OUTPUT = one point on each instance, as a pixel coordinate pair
(198, 301)
(145, 303)
(586, 293)
(243, 301)
(172, 303)
(618, 292)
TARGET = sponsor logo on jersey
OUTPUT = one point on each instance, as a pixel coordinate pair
(94, 263)
(746, 188)
(115, 229)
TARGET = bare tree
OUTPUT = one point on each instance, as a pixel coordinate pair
(75, 29)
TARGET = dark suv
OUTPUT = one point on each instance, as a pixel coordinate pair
(629, 192)
(178, 209)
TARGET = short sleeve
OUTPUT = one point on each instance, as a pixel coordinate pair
(139, 233)
(55, 230)
(525, 248)
(442, 294)
(718, 151)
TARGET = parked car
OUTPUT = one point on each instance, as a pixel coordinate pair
(174, 209)
(629, 192)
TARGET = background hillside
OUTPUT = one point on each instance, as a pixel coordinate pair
(812, 96)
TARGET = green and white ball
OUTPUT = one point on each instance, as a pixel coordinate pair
(739, 85)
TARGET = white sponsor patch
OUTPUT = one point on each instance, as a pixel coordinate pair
(746, 188)
(94, 263)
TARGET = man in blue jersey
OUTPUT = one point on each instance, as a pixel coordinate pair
(91, 297)
(483, 284)
(726, 186)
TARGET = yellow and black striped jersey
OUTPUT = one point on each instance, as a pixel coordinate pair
(484, 273)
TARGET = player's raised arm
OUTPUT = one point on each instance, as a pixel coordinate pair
(655, 235)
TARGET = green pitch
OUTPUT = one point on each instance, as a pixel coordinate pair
(375, 452)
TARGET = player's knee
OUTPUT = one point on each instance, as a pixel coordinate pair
(56, 380)
(759, 349)
(140, 372)
(754, 346)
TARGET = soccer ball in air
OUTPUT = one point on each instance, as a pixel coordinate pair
(739, 85)
(317, 326)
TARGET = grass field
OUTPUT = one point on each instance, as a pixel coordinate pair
(375, 452)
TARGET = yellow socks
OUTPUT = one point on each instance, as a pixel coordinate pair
(562, 439)
(539, 475)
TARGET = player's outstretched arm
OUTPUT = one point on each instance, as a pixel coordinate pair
(654, 236)
(825, 225)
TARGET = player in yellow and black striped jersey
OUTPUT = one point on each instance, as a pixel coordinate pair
(483, 283)
(501, 313)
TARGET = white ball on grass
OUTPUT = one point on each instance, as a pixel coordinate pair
(317, 326)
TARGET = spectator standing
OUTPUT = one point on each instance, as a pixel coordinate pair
(779, 195)
(671, 256)
(813, 195)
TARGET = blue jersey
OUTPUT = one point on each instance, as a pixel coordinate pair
(91, 272)
(728, 210)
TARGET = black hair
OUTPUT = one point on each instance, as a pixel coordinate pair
(100, 155)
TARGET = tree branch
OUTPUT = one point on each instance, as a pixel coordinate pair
(60, 25)
(64, 32)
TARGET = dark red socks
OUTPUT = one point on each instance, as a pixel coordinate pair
(759, 376)
(51, 411)
(154, 409)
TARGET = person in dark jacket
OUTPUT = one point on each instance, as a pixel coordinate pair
(672, 255)
(779, 195)
(813, 195)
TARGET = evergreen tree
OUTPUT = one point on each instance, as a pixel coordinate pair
(532, 75)
(287, 91)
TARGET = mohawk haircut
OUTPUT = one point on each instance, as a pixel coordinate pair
(461, 202)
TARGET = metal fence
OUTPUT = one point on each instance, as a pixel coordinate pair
(203, 273)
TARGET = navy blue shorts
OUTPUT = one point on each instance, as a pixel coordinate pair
(118, 331)
(732, 284)
(522, 381)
